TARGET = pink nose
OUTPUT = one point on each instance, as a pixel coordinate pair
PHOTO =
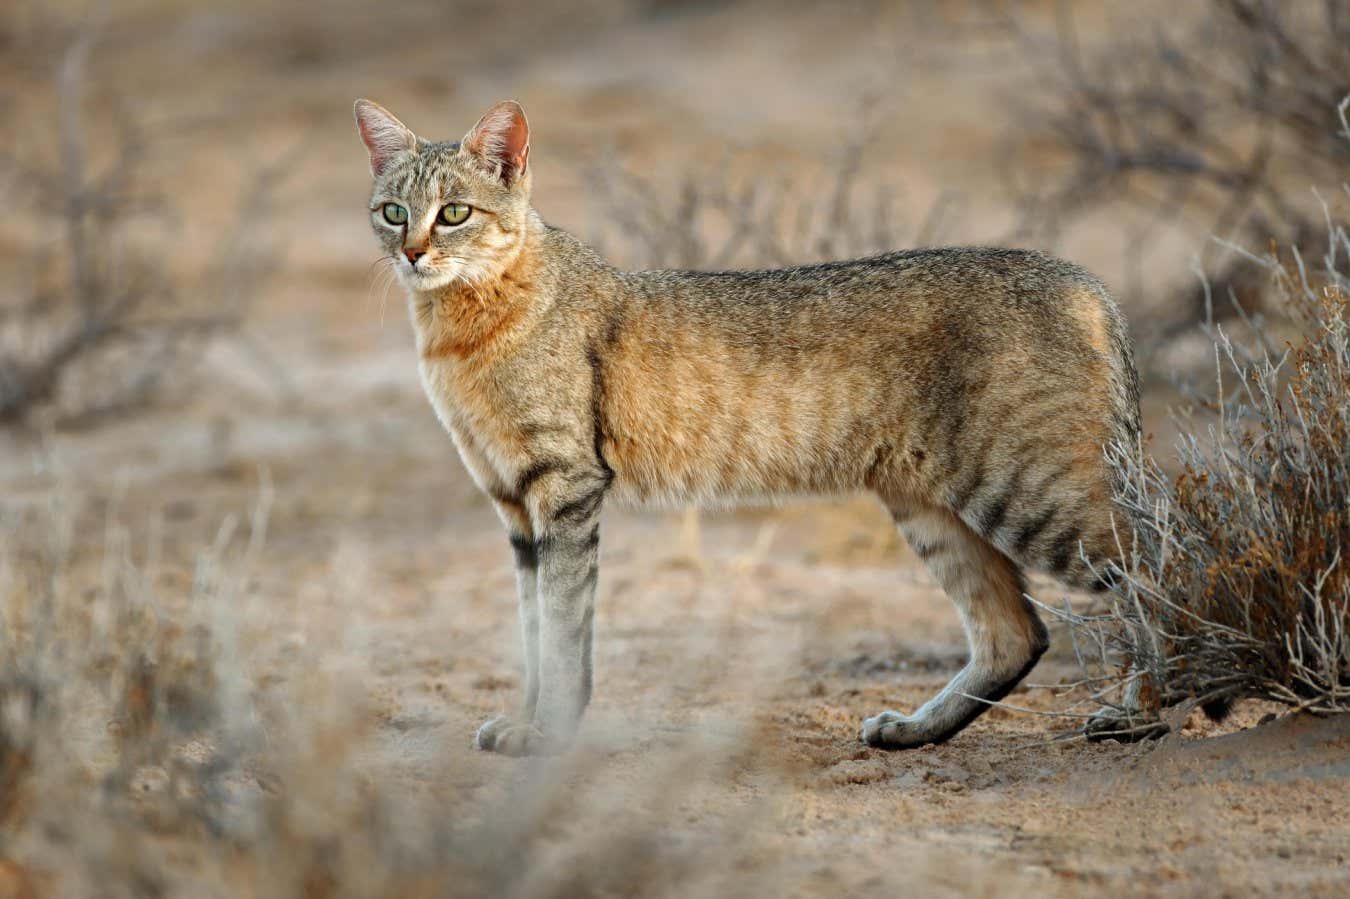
(413, 254)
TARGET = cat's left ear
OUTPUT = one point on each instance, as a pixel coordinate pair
(385, 137)
(501, 141)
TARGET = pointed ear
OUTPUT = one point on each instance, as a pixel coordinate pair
(501, 141)
(385, 137)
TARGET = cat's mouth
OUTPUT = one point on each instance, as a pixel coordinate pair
(425, 275)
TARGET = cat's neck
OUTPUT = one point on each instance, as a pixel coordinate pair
(474, 320)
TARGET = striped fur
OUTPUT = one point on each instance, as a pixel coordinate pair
(970, 389)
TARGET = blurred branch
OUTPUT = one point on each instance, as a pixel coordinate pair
(103, 325)
(737, 214)
(1224, 115)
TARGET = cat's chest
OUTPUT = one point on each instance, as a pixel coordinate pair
(472, 407)
(447, 391)
(502, 422)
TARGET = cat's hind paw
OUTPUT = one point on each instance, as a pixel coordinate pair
(509, 736)
(892, 730)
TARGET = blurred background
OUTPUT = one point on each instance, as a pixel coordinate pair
(194, 340)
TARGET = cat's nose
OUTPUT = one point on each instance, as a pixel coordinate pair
(414, 254)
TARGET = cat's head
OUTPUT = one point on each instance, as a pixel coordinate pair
(448, 212)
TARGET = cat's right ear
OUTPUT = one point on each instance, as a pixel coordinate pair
(385, 137)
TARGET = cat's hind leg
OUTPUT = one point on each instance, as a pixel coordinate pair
(1005, 635)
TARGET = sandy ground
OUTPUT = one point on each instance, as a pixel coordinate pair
(775, 630)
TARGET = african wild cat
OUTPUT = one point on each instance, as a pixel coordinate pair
(972, 390)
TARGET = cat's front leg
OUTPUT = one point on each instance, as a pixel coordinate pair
(565, 513)
(513, 734)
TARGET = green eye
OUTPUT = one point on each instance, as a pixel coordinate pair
(454, 213)
(395, 214)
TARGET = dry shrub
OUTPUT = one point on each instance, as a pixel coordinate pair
(1220, 114)
(1235, 581)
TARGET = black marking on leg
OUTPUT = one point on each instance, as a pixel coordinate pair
(1061, 551)
(926, 550)
(588, 582)
(1104, 581)
(1032, 529)
(995, 694)
(527, 553)
(569, 540)
(581, 508)
(537, 470)
(991, 517)
(598, 392)
(962, 497)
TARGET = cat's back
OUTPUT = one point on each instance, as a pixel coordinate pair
(983, 279)
(939, 299)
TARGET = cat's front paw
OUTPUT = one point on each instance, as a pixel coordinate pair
(513, 737)
(892, 730)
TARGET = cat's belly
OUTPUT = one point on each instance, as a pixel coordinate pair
(724, 438)
(679, 469)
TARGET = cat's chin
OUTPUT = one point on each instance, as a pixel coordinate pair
(422, 282)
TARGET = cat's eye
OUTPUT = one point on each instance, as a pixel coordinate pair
(395, 214)
(454, 214)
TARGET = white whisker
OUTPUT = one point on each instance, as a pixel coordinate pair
(383, 278)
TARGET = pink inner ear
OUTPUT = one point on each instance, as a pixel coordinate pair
(502, 140)
(385, 137)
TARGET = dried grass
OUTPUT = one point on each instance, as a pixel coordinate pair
(147, 750)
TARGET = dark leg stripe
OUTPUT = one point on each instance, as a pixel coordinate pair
(581, 508)
(991, 517)
(570, 541)
(1062, 550)
(592, 575)
(1032, 529)
(926, 550)
(527, 555)
(1101, 584)
(1040, 496)
(994, 694)
(537, 470)
(597, 403)
(996, 512)
(962, 497)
